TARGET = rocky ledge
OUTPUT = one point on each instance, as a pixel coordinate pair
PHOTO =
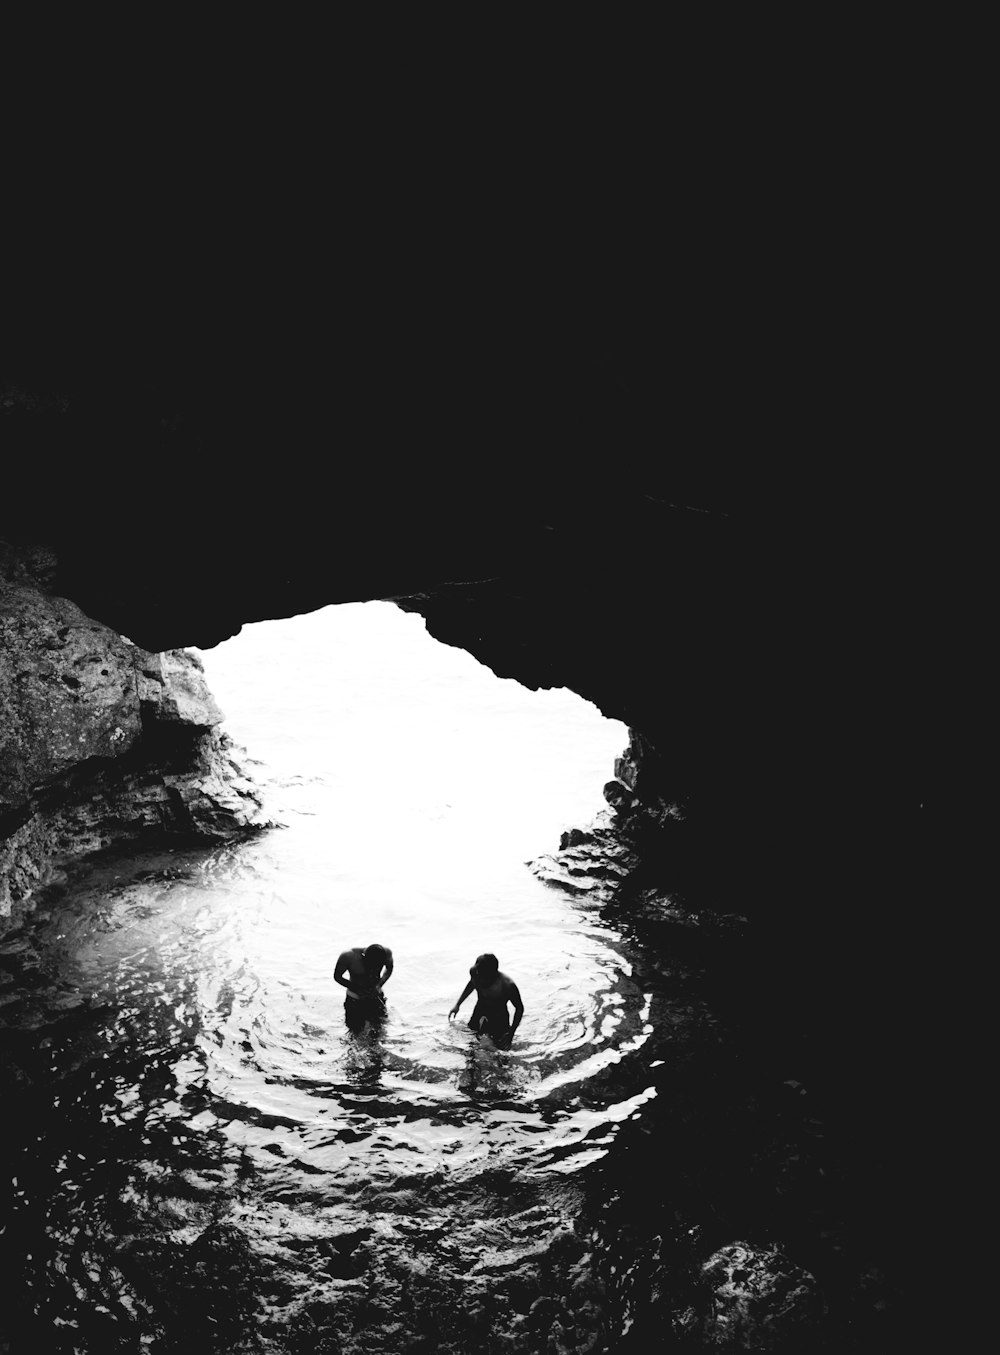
(102, 743)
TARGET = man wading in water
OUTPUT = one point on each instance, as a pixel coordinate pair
(365, 1001)
(493, 991)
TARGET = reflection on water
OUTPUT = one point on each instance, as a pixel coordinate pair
(203, 1151)
(183, 1058)
(209, 975)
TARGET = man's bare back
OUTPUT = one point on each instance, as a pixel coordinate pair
(360, 971)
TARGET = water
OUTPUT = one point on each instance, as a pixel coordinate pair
(205, 1153)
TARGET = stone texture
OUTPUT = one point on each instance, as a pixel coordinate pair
(67, 692)
(101, 742)
(173, 685)
(757, 1300)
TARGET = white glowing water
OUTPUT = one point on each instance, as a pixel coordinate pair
(415, 786)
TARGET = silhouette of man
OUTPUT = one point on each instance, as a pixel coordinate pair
(360, 971)
(494, 991)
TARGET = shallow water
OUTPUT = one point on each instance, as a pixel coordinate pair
(201, 1139)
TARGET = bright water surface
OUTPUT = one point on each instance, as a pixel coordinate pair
(193, 1065)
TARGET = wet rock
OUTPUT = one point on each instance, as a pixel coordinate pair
(590, 861)
(562, 1339)
(521, 1289)
(543, 1311)
(221, 1247)
(345, 1243)
(347, 1266)
(67, 692)
(757, 1299)
(172, 689)
(203, 1294)
(192, 791)
(100, 741)
(396, 1202)
(619, 796)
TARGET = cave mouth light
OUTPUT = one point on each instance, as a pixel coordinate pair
(393, 741)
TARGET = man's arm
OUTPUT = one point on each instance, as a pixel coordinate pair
(342, 967)
(514, 997)
(380, 983)
(465, 993)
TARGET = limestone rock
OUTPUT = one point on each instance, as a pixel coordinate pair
(589, 861)
(67, 691)
(171, 687)
(100, 741)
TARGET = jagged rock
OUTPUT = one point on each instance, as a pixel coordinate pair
(758, 1300)
(203, 1293)
(100, 741)
(67, 691)
(619, 796)
(172, 688)
(589, 861)
(200, 790)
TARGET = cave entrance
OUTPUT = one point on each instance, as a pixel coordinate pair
(414, 786)
(215, 1083)
(407, 740)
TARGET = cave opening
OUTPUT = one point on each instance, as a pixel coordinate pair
(422, 747)
(176, 1008)
(413, 791)
(196, 1089)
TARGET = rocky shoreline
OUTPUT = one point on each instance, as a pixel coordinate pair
(740, 1211)
(102, 743)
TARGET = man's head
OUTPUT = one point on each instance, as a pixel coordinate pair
(486, 967)
(375, 955)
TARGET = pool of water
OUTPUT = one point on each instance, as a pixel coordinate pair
(202, 1150)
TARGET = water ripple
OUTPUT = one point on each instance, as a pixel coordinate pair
(185, 1059)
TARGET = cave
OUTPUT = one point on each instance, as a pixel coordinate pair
(576, 508)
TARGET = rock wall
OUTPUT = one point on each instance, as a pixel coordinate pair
(101, 742)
